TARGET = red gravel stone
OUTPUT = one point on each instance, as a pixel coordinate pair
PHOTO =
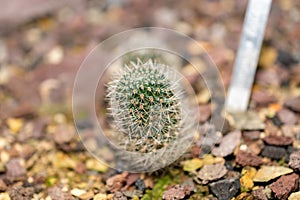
(287, 117)
(248, 159)
(278, 140)
(285, 185)
(293, 104)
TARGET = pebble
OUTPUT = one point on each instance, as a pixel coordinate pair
(262, 98)
(19, 192)
(63, 134)
(225, 189)
(57, 193)
(259, 194)
(3, 186)
(119, 196)
(15, 124)
(4, 196)
(140, 185)
(101, 196)
(287, 117)
(212, 172)
(273, 152)
(15, 169)
(177, 192)
(294, 161)
(116, 182)
(267, 173)
(294, 196)
(278, 140)
(285, 185)
(293, 103)
(251, 135)
(248, 159)
(192, 165)
(228, 144)
(247, 179)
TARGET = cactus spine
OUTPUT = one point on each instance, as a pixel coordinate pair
(145, 106)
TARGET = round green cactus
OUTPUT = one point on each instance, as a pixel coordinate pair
(145, 106)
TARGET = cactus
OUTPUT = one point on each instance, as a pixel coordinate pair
(145, 107)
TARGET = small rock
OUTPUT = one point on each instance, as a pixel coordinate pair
(140, 185)
(57, 193)
(116, 182)
(259, 194)
(273, 152)
(262, 98)
(287, 117)
(251, 135)
(225, 189)
(285, 185)
(119, 196)
(248, 159)
(247, 179)
(212, 172)
(15, 169)
(177, 192)
(192, 165)
(15, 124)
(228, 144)
(64, 134)
(101, 196)
(3, 186)
(267, 173)
(278, 140)
(77, 192)
(294, 161)
(19, 192)
(294, 196)
(293, 104)
(4, 196)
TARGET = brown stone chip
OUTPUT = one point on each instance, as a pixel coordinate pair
(248, 159)
(287, 117)
(116, 182)
(285, 185)
(293, 103)
(278, 140)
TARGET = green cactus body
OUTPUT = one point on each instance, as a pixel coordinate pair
(145, 107)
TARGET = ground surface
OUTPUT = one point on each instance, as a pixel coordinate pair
(41, 47)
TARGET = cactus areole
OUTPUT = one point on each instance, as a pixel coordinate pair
(145, 107)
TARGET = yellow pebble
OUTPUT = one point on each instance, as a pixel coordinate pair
(14, 124)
